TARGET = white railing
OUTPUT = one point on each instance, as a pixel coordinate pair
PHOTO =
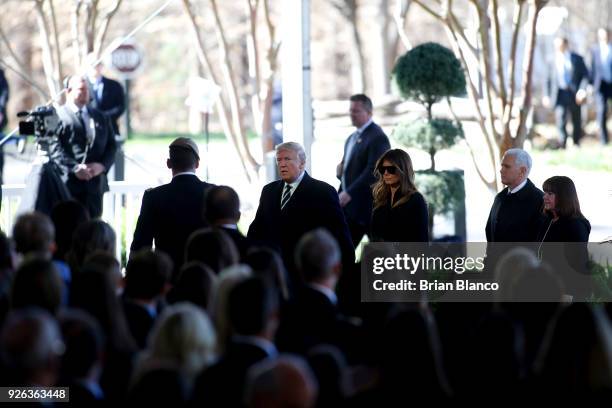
(121, 209)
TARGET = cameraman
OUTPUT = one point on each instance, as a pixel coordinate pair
(88, 146)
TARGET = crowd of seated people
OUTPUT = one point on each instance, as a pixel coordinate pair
(230, 330)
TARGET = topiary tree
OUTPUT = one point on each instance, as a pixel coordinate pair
(429, 135)
(427, 74)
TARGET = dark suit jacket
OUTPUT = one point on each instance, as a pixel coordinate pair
(408, 222)
(4, 95)
(73, 145)
(139, 321)
(579, 74)
(313, 204)
(243, 244)
(223, 383)
(169, 214)
(311, 319)
(515, 217)
(359, 173)
(596, 65)
(112, 102)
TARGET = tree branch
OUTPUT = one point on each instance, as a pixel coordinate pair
(221, 108)
(516, 23)
(101, 34)
(58, 51)
(399, 17)
(76, 43)
(47, 58)
(228, 76)
(26, 78)
(499, 58)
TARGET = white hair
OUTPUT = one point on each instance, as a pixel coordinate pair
(294, 147)
(521, 157)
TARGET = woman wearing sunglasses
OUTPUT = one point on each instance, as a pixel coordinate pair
(400, 211)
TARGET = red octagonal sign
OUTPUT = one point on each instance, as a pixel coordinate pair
(126, 59)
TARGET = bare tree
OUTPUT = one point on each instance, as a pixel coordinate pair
(348, 9)
(228, 104)
(502, 123)
(263, 84)
(89, 25)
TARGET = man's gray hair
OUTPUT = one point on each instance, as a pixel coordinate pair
(521, 156)
(316, 254)
(276, 380)
(29, 339)
(294, 147)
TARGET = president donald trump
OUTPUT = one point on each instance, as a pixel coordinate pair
(296, 204)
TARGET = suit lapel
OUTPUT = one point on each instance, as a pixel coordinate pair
(297, 194)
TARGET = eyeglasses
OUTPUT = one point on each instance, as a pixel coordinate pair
(388, 169)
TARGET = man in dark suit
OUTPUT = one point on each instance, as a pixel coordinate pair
(312, 317)
(107, 96)
(147, 279)
(170, 213)
(222, 210)
(356, 170)
(296, 204)
(601, 78)
(565, 88)
(252, 312)
(516, 211)
(87, 144)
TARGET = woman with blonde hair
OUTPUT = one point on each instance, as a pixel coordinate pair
(183, 337)
(400, 212)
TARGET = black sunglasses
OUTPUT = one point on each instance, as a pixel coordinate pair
(388, 169)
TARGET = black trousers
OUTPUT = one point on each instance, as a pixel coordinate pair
(566, 106)
(357, 232)
(603, 95)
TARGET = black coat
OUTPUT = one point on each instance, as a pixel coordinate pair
(112, 102)
(223, 383)
(243, 244)
(73, 146)
(169, 214)
(564, 247)
(565, 229)
(516, 217)
(359, 173)
(4, 96)
(313, 204)
(407, 222)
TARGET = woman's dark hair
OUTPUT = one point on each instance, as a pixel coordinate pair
(401, 160)
(89, 237)
(195, 284)
(566, 198)
(37, 283)
(268, 264)
(212, 247)
(93, 291)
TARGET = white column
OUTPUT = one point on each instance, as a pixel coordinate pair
(295, 72)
